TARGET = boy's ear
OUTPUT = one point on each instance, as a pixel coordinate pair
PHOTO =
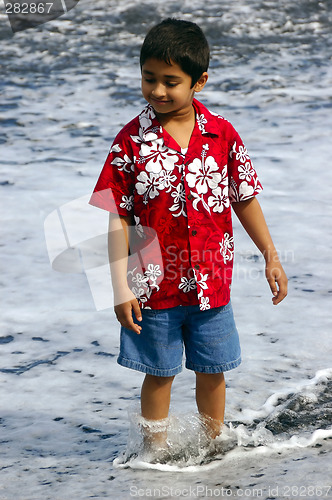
(200, 84)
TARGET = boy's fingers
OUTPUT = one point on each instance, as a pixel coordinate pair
(124, 316)
(137, 310)
(130, 325)
(281, 293)
(278, 288)
(273, 286)
(277, 280)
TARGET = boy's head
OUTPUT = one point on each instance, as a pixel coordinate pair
(181, 42)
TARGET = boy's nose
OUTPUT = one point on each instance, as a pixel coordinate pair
(159, 91)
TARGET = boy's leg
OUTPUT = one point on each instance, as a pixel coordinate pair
(155, 401)
(156, 397)
(210, 398)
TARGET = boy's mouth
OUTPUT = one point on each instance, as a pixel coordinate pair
(159, 101)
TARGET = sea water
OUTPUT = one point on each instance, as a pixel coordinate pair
(69, 423)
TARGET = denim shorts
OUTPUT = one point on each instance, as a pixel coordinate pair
(209, 337)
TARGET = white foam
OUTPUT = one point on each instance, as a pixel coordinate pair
(188, 447)
(299, 386)
(233, 441)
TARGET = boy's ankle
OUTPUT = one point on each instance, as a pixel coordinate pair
(212, 426)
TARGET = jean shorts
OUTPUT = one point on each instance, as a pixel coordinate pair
(209, 338)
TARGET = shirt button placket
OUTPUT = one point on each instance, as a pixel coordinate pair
(193, 232)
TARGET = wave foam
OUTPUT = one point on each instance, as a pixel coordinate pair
(182, 442)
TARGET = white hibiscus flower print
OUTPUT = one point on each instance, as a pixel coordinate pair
(203, 174)
(166, 178)
(202, 281)
(187, 284)
(140, 280)
(146, 117)
(127, 202)
(145, 121)
(233, 193)
(145, 282)
(224, 176)
(157, 157)
(179, 196)
(116, 148)
(143, 136)
(124, 164)
(197, 199)
(141, 294)
(242, 154)
(219, 199)
(148, 186)
(233, 150)
(245, 190)
(152, 274)
(204, 304)
(227, 248)
(246, 171)
(201, 121)
(139, 228)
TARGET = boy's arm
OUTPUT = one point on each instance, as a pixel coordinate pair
(252, 219)
(125, 303)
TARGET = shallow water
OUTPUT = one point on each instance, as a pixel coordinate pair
(67, 87)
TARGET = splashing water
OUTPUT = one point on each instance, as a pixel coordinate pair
(183, 442)
(187, 442)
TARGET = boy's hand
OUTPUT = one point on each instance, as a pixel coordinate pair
(277, 280)
(124, 312)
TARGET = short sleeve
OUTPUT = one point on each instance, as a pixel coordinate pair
(114, 190)
(243, 179)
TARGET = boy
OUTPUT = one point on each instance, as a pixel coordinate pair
(177, 169)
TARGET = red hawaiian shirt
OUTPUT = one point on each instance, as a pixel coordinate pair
(184, 199)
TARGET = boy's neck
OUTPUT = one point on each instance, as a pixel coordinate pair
(178, 117)
(179, 125)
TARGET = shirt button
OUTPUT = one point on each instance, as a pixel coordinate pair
(197, 266)
(190, 196)
(194, 232)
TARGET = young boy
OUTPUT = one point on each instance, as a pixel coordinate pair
(177, 169)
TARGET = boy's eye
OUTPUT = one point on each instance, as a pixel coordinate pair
(168, 84)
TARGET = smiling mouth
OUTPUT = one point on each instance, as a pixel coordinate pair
(159, 101)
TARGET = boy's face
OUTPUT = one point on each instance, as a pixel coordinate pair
(167, 87)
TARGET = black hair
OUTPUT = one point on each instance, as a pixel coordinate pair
(181, 42)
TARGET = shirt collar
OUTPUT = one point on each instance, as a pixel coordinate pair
(207, 122)
(150, 128)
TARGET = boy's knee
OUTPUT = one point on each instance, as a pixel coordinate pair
(210, 380)
(159, 381)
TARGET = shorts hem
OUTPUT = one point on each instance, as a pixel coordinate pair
(214, 369)
(158, 372)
